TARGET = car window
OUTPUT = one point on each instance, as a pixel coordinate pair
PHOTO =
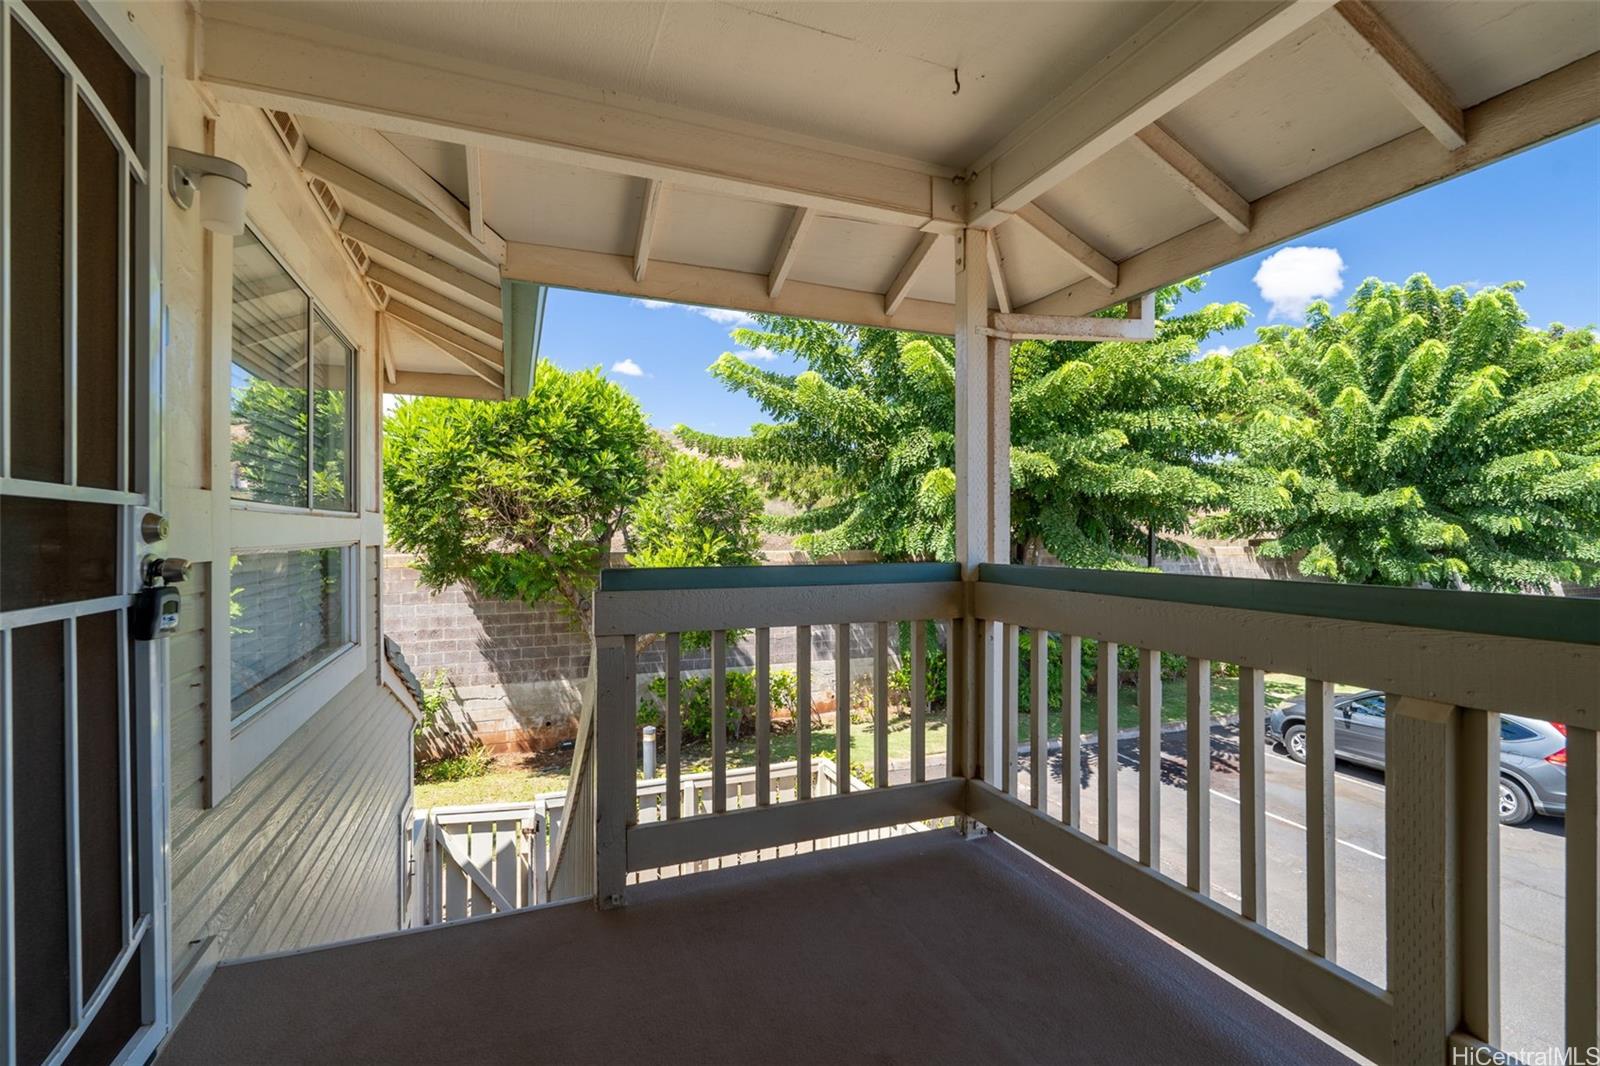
(1372, 705)
(1510, 730)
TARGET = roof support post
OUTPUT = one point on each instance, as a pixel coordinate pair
(983, 493)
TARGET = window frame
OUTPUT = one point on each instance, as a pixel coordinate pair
(238, 746)
(315, 310)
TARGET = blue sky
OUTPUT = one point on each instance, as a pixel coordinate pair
(1534, 217)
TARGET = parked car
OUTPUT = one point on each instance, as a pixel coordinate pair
(1533, 752)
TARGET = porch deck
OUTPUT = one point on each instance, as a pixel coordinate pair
(924, 948)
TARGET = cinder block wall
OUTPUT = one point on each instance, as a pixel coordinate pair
(516, 673)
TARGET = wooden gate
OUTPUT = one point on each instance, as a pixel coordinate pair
(477, 860)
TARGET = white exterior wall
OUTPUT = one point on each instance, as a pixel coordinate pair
(302, 844)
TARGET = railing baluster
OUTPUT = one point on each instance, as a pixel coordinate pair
(1252, 794)
(841, 712)
(802, 711)
(1583, 889)
(1319, 819)
(1198, 778)
(1478, 863)
(674, 728)
(763, 718)
(1150, 757)
(616, 718)
(919, 703)
(1106, 697)
(880, 706)
(1039, 717)
(958, 708)
(1010, 675)
(1071, 727)
(719, 721)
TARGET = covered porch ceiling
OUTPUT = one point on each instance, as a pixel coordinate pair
(819, 159)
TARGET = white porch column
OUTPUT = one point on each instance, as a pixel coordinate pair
(983, 490)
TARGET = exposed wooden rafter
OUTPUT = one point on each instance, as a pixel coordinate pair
(649, 218)
(1411, 80)
(908, 273)
(1074, 247)
(1546, 107)
(487, 355)
(433, 301)
(997, 274)
(789, 249)
(379, 197)
(1203, 183)
(461, 386)
(452, 277)
(475, 207)
(1185, 50)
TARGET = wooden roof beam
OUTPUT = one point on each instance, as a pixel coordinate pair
(649, 218)
(488, 355)
(434, 301)
(452, 277)
(1519, 118)
(1074, 247)
(472, 366)
(1201, 182)
(997, 275)
(311, 72)
(1411, 80)
(476, 226)
(460, 386)
(1186, 49)
(789, 249)
(908, 273)
(378, 196)
(1139, 325)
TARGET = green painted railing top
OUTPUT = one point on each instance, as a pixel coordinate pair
(1570, 619)
(672, 578)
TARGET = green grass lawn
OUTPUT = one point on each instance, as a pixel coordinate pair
(517, 779)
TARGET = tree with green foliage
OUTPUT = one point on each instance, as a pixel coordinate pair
(694, 510)
(1424, 436)
(270, 453)
(1110, 442)
(521, 499)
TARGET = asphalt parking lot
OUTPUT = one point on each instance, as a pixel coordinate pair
(1532, 865)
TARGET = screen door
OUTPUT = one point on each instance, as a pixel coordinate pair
(81, 925)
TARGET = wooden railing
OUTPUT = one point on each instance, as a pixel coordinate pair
(1450, 662)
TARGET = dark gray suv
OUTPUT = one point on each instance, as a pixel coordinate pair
(1533, 753)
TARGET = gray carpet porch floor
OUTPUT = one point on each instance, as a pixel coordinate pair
(918, 949)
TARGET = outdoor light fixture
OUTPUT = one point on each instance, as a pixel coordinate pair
(221, 184)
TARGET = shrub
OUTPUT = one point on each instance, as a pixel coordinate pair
(474, 763)
(694, 702)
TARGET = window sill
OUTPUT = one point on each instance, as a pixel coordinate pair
(261, 732)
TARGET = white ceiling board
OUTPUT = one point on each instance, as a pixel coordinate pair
(1302, 106)
(848, 254)
(547, 203)
(411, 353)
(1034, 266)
(878, 76)
(446, 162)
(1481, 48)
(1123, 203)
(720, 231)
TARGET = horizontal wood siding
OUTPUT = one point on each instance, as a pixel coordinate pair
(304, 850)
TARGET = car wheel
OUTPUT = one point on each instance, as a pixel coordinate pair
(1515, 806)
(1294, 739)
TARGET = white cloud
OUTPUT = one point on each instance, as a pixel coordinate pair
(1221, 349)
(1291, 278)
(627, 368)
(751, 355)
(721, 315)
